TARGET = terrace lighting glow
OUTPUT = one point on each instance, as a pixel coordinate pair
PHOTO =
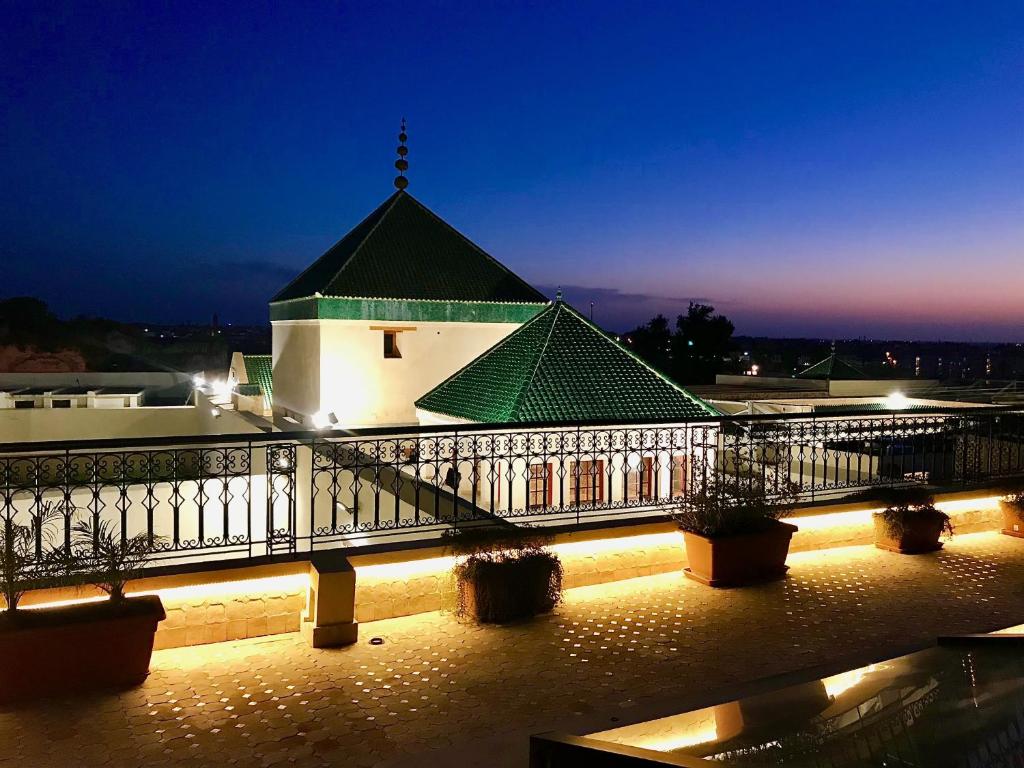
(198, 382)
(897, 401)
(321, 420)
(224, 388)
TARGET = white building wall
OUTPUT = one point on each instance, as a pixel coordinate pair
(339, 367)
(296, 361)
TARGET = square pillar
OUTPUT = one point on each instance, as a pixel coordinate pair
(329, 620)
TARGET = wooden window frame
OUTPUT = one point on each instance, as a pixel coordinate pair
(545, 478)
(644, 490)
(679, 471)
(595, 486)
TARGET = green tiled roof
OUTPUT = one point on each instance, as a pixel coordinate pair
(560, 367)
(259, 370)
(404, 251)
(832, 367)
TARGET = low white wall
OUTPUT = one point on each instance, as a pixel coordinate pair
(96, 379)
(42, 424)
(771, 382)
(883, 387)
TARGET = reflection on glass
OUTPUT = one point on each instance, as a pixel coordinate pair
(955, 706)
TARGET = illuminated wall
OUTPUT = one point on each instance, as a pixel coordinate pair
(339, 367)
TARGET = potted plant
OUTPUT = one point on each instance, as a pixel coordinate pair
(88, 645)
(910, 524)
(27, 557)
(504, 572)
(733, 531)
(1012, 506)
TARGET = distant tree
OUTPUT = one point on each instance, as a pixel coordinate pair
(693, 352)
(27, 322)
(653, 342)
(701, 340)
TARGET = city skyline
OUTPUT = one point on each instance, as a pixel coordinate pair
(842, 173)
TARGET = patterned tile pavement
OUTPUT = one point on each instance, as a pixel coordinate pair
(437, 690)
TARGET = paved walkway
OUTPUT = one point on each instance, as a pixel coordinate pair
(474, 694)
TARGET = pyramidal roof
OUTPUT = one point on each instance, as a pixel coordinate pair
(559, 366)
(404, 251)
(832, 368)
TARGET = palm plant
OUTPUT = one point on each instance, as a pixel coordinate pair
(27, 555)
(110, 559)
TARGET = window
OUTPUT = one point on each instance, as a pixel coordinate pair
(539, 492)
(488, 482)
(591, 483)
(60, 403)
(679, 468)
(24, 403)
(640, 481)
(391, 344)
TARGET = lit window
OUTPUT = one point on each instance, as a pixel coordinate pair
(678, 476)
(591, 483)
(539, 495)
(391, 344)
(640, 481)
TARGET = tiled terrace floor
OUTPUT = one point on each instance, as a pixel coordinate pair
(472, 695)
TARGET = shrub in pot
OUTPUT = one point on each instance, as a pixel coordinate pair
(910, 524)
(504, 573)
(88, 645)
(733, 531)
(1012, 506)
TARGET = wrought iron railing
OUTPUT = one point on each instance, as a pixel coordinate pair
(214, 498)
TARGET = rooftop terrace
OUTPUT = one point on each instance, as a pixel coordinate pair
(440, 692)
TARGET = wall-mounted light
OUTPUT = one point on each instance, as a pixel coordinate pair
(224, 388)
(897, 401)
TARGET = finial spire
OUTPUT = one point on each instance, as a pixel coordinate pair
(558, 294)
(401, 163)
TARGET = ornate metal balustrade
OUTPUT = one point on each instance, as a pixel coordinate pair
(265, 495)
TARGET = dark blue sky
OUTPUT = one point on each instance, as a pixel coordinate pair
(810, 168)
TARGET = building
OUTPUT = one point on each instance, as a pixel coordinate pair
(559, 366)
(394, 308)
(72, 397)
(82, 405)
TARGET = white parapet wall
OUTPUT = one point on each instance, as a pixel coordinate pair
(31, 425)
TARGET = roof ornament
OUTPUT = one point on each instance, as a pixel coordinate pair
(558, 294)
(401, 163)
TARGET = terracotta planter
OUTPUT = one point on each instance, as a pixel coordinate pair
(499, 592)
(736, 561)
(921, 534)
(54, 651)
(1013, 520)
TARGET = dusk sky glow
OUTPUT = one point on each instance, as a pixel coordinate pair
(811, 169)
